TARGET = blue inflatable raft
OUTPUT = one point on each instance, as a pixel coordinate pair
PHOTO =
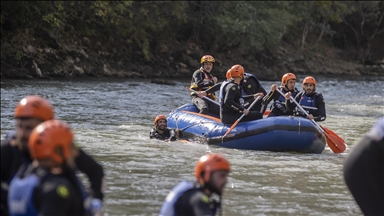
(279, 134)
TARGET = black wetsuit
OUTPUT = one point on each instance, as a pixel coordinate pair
(168, 134)
(202, 81)
(194, 202)
(53, 195)
(251, 85)
(364, 172)
(231, 110)
(316, 101)
(12, 159)
(279, 108)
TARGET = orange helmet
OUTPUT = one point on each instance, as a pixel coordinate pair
(51, 139)
(228, 74)
(209, 163)
(207, 58)
(34, 107)
(158, 118)
(287, 76)
(309, 79)
(237, 71)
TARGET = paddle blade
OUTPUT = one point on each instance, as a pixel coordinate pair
(266, 113)
(335, 142)
(231, 128)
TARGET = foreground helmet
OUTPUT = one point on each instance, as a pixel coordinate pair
(286, 77)
(237, 71)
(158, 118)
(207, 58)
(228, 74)
(310, 80)
(34, 107)
(208, 164)
(51, 139)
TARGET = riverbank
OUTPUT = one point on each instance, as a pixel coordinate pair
(27, 57)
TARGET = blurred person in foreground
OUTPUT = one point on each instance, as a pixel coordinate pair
(364, 171)
(196, 198)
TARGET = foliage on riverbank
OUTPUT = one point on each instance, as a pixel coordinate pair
(167, 39)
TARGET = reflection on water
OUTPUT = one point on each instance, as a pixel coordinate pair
(112, 119)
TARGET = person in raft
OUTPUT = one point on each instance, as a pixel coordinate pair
(231, 97)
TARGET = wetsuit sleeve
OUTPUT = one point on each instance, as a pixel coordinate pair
(6, 159)
(214, 88)
(364, 175)
(269, 97)
(290, 105)
(321, 107)
(198, 78)
(169, 133)
(86, 164)
(54, 198)
(252, 87)
(231, 91)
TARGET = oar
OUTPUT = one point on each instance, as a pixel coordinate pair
(335, 142)
(205, 97)
(238, 120)
(267, 112)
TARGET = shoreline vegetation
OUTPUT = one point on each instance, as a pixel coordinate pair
(146, 39)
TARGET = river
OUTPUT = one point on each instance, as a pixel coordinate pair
(112, 117)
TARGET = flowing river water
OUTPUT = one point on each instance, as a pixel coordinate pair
(112, 118)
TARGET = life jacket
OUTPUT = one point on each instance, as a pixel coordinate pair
(21, 193)
(168, 208)
(207, 77)
(309, 104)
(248, 76)
(168, 134)
(280, 102)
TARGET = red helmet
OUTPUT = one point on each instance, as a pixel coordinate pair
(209, 163)
(237, 71)
(287, 76)
(207, 58)
(228, 74)
(309, 79)
(34, 107)
(158, 118)
(51, 139)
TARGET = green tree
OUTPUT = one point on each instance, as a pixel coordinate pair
(256, 25)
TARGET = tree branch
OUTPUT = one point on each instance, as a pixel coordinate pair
(362, 17)
(381, 19)
(377, 27)
(353, 29)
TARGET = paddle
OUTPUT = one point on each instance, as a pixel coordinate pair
(335, 142)
(266, 113)
(205, 97)
(238, 120)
